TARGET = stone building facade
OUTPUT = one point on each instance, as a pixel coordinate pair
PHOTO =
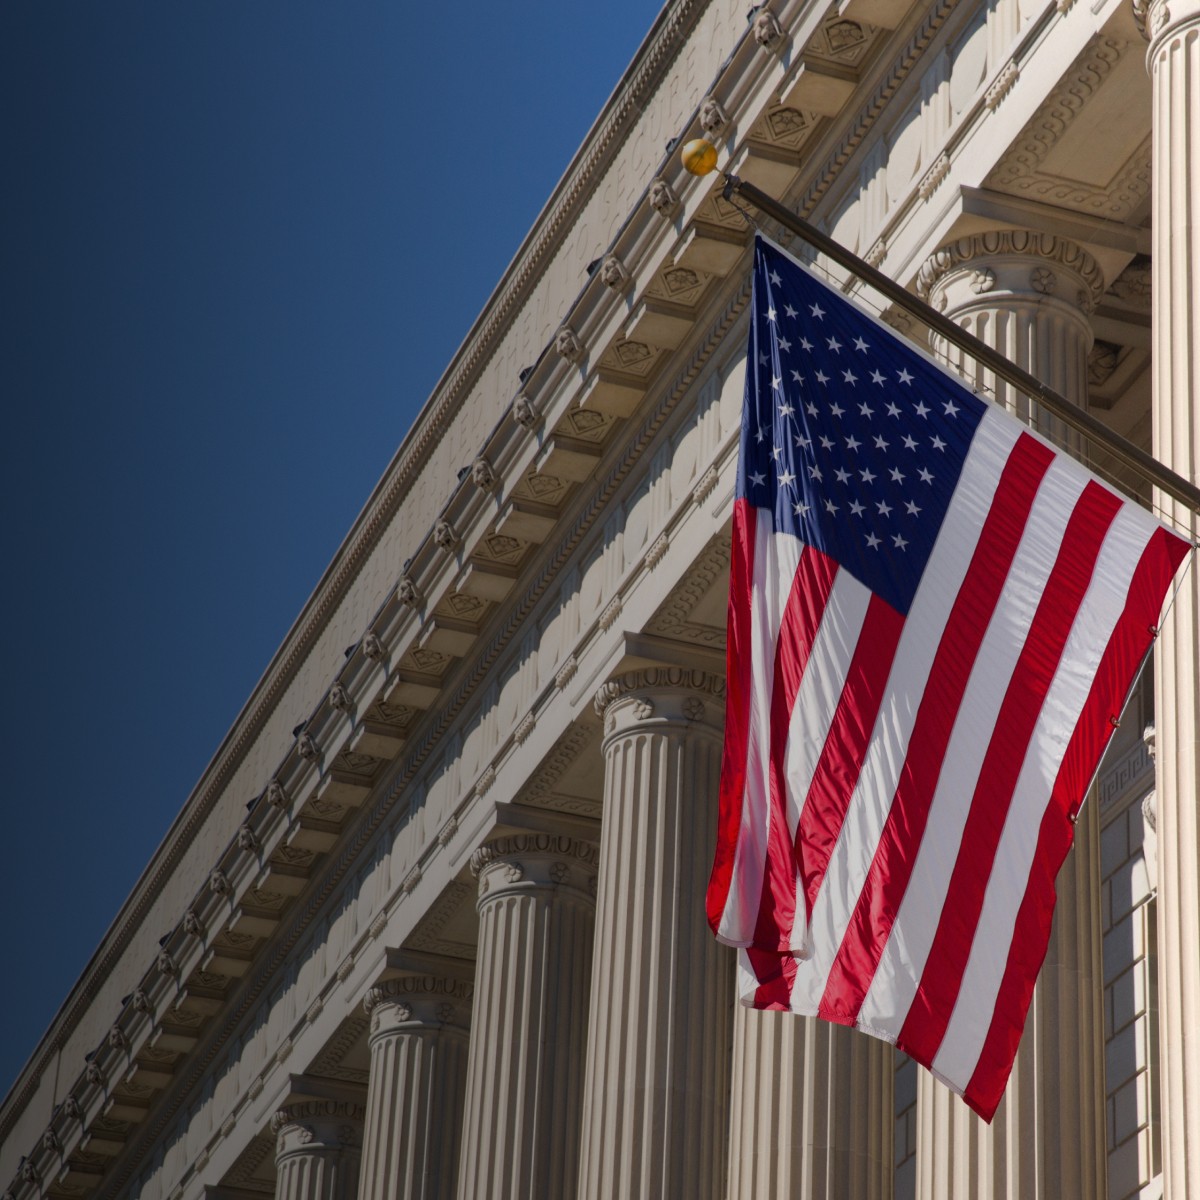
(455, 946)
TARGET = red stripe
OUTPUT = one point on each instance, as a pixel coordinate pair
(798, 627)
(845, 746)
(738, 661)
(1130, 641)
(775, 974)
(933, 1005)
(887, 879)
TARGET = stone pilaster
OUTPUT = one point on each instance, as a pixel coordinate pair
(812, 1113)
(655, 1110)
(525, 1066)
(1174, 63)
(418, 1041)
(317, 1149)
(1029, 295)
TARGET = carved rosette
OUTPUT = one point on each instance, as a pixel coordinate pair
(661, 696)
(416, 1001)
(1011, 264)
(525, 863)
(1158, 20)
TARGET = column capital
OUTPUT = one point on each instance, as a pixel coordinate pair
(673, 695)
(1021, 265)
(414, 1002)
(528, 861)
(1158, 19)
(317, 1125)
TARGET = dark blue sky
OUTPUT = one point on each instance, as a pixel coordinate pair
(239, 242)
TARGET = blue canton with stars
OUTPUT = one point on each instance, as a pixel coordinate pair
(852, 440)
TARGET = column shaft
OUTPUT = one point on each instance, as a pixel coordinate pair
(1028, 295)
(1174, 62)
(533, 967)
(418, 1046)
(655, 1121)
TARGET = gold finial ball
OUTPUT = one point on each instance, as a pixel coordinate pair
(699, 157)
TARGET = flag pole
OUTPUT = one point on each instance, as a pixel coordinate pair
(699, 158)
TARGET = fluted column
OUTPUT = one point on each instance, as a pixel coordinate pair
(811, 1114)
(418, 1042)
(317, 1150)
(533, 970)
(655, 1112)
(1029, 295)
(1174, 63)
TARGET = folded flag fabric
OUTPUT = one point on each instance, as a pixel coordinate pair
(935, 619)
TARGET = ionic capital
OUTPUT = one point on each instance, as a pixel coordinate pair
(1011, 265)
(317, 1126)
(662, 695)
(1159, 19)
(530, 861)
(416, 1002)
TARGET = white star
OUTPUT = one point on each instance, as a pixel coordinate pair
(904, 376)
(776, 451)
(878, 377)
(801, 510)
(867, 475)
(892, 410)
(786, 479)
(830, 506)
(776, 383)
(926, 476)
(860, 345)
(774, 278)
(843, 476)
(881, 443)
(912, 509)
(910, 442)
(758, 479)
(770, 314)
(885, 509)
(833, 344)
(791, 312)
(811, 409)
(872, 541)
(826, 443)
(797, 377)
(784, 345)
(805, 344)
(852, 443)
(856, 508)
(761, 435)
(822, 378)
(850, 377)
(836, 410)
(785, 409)
(951, 408)
(938, 444)
(899, 542)
(762, 360)
(922, 409)
(814, 472)
(866, 410)
(816, 310)
(896, 474)
(802, 441)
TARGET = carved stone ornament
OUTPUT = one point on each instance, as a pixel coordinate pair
(71, 1109)
(1043, 280)
(94, 1075)
(192, 924)
(277, 797)
(568, 345)
(30, 1174)
(218, 883)
(339, 698)
(693, 708)
(50, 1142)
(524, 412)
(166, 964)
(767, 30)
(247, 840)
(372, 647)
(444, 535)
(662, 198)
(1150, 812)
(482, 475)
(117, 1038)
(614, 274)
(306, 747)
(655, 679)
(713, 118)
(141, 1003)
(557, 846)
(408, 593)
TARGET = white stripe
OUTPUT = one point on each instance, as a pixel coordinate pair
(816, 702)
(776, 559)
(872, 798)
(903, 960)
(1089, 637)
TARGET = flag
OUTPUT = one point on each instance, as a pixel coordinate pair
(934, 622)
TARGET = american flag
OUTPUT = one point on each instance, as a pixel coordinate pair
(934, 622)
